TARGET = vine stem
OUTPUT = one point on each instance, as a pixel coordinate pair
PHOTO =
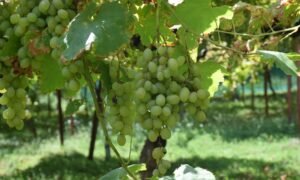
(91, 86)
(291, 29)
(158, 21)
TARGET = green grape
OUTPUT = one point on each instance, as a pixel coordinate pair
(19, 30)
(3, 84)
(147, 124)
(167, 73)
(10, 92)
(173, 99)
(117, 125)
(54, 42)
(142, 110)
(19, 124)
(63, 14)
(148, 86)
(121, 139)
(155, 173)
(58, 4)
(73, 68)
(174, 87)
(140, 93)
(127, 130)
(162, 50)
(165, 133)
(23, 22)
(166, 111)
(153, 135)
(4, 100)
(171, 122)
(44, 6)
(31, 17)
(156, 111)
(40, 23)
(152, 67)
(171, 51)
(15, 18)
(193, 97)
(148, 55)
(184, 94)
(157, 124)
(51, 10)
(8, 113)
(160, 76)
(181, 60)
(124, 111)
(157, 153)
(4, 25)
(51, 23)
(162, 170)
(73, 85)
(163, 60)
(191, 109)
(202, 94)
(25, 63)
(59, 29)
(165, 163)
(200, 116)
(66, 73)
(160, 100)
(20, 93)
(172, 64)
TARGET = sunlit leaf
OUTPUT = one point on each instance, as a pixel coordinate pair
(281, 60)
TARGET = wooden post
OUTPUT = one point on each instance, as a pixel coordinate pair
(252, 96)
(298, 96)
(49, 105)
(60, 117)
(289, 98)
(95, 125)
(72, 124)
(266, 91)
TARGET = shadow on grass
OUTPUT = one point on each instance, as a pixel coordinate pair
(233, 121)
(72, 166)
(76, 166)
(235, 168)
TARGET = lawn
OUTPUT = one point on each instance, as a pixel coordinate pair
(235, 143)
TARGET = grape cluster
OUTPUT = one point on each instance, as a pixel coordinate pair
(38, 26)
(167, 86)
(162, 165)
(14, 98)
(72, 73)
(120, 106)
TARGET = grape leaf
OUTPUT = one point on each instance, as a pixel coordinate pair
(112, 23)
(199, 16)
(147, 28)
(212, 74)
(80, 32)
(73, 106)
(281, 60)
(105, 76)
(106, 27)
(120, 173)
(293, 56)
(51, 77)
(10, 48)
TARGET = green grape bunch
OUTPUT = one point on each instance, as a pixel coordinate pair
(120, 106)
(166, 85)
(37, 28)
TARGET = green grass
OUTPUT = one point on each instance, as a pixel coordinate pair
(236, 143)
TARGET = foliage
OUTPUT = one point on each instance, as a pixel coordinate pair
(71, 44)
